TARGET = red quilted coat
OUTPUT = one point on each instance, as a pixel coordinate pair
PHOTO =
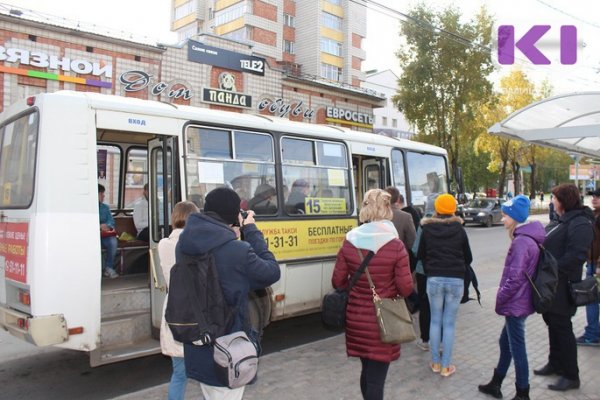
(391, 276)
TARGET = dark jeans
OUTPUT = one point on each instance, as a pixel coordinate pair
(372, 378)
(512, 347)
(424, 312)
(563, 348)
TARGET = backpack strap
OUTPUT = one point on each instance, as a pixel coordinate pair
(540, 248)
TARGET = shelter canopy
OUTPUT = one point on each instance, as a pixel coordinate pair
(569, 122)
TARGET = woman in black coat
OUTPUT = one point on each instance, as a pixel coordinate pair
(568, 239)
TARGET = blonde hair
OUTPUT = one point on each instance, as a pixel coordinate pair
(511, 228)
(376, 206)
(180, 213)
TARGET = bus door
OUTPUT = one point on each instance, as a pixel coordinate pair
(164, 193)
(372, 174)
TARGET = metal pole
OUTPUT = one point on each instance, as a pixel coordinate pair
(577, 171)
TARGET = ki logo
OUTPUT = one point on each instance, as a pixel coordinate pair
(507, 44)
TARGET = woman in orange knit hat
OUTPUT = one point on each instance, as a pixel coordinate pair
(445, 252)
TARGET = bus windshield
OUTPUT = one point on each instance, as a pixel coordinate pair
(427, 176)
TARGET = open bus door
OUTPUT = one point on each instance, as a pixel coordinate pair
(164, 193)
(372, 174)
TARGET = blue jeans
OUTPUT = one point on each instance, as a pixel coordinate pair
(444, 298)
(512, 347)
(178, 379)
(592, 330)
(110, 244)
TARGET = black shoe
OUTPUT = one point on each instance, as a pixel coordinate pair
(564, 384)
(546, 370)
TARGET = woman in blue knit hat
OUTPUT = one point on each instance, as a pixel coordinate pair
(514, 299)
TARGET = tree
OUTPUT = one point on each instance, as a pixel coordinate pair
(445, 65)
(516, 91)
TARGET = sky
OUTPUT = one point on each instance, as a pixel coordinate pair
(383, 39)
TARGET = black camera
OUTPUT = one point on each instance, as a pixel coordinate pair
(244, 214)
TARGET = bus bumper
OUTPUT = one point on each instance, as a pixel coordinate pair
(40, 331)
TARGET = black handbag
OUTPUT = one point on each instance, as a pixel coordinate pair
(333, 309)
(584, 292)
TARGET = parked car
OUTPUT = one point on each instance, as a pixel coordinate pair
(485, 211)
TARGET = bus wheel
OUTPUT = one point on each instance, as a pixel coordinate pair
(259, 310)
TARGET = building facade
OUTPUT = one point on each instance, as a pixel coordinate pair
(320, 38)
(388, 120)
(205, 71)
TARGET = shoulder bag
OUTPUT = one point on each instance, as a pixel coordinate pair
(394, 319)
(584, 292)
(333, 309)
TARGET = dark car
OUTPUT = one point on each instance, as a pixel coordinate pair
(485, 211)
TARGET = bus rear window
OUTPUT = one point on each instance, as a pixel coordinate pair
(18, 140)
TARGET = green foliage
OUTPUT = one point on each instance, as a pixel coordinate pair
(445, 76)
(476, 175)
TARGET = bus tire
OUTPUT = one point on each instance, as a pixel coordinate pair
(259, 310)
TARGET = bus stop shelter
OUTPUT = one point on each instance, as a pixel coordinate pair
(569, 122)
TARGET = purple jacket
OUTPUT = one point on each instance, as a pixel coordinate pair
(514, 296)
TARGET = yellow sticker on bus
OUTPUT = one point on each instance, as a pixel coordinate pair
(325, 206)
(290, 240)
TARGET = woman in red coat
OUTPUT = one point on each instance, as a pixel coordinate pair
(390, 271)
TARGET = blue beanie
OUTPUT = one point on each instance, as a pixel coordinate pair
(517, 208)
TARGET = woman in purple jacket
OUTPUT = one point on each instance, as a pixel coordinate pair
(514, 299)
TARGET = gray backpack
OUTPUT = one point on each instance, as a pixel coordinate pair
(236, 359)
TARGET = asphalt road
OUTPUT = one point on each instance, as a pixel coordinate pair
(28, 373)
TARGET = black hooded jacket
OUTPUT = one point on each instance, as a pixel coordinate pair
(444, 247)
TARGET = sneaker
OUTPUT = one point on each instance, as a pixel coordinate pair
(110, 273)
(435, 367)
(449, 370)
(583, 341)
(423, 345)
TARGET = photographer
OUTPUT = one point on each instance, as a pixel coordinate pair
(243, 266)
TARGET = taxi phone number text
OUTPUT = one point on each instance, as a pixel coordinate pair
(277, 242)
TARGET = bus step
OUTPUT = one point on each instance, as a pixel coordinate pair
(125, 296)
(111, 354)
(125, 328)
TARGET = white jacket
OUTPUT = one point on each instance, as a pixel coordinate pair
(166, 253)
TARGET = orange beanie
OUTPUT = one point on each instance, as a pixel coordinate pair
(445, 204)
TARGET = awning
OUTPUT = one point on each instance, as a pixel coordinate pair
(569, 122)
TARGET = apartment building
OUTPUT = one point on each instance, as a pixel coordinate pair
(321, 39)
(387, 120)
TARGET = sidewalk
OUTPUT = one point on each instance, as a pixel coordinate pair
(321, 370)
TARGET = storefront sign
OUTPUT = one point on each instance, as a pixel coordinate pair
(135, 81)
(201, 53)
(43, 60)
(225, 98)
(280, 108)
(348, 117)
